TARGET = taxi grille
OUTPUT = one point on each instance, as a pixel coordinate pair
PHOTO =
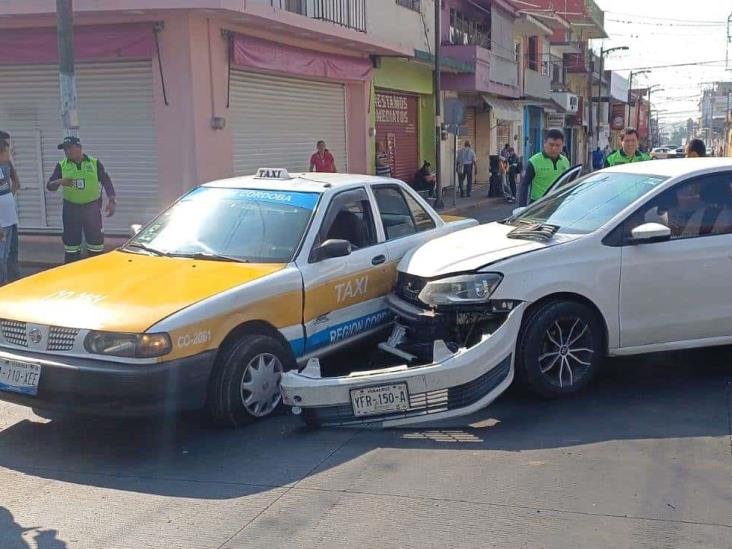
(14, 332)
(61, 339)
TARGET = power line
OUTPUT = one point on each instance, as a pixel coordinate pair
(653, 17)
(695, 63)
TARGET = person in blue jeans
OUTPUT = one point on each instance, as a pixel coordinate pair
(8, 211)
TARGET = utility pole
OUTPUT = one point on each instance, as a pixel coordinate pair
(603, 53)
(630, 90)
(438, 104)
(67, 77)
(589, 122)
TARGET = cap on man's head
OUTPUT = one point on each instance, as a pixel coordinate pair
(69, 142)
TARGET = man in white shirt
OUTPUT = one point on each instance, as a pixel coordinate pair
(467, 165)
(8, 212)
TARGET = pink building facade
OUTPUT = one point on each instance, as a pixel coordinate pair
(174, 93)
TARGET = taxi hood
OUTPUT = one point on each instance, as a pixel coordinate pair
(469, 250)
(121, 292)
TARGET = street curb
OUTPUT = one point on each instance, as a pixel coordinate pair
(461, 207)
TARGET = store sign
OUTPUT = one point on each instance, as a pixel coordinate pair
(617, 116)
(555, 121)
(618, 87)
(392, 109)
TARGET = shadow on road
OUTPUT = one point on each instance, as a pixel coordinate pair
(684, 395)
(11, 534)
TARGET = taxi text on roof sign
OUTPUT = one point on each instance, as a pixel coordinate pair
(272, 173)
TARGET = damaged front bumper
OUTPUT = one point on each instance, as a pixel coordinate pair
(454, 383)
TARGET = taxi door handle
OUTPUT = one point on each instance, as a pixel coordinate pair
(378, 260)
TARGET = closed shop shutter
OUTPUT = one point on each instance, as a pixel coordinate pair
(469, 125)
(503, 135)
(117, 126)
(397, 127)
(277, 121)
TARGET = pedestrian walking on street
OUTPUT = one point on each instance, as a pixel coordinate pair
(696, 149)
(322, 160)
(8, 211)
(505, 185)
(598, 159)
(383, 168)
(467, 165)
(543, 168)
(13, 265)
(629, 151)
(82, 178)
(514, 170)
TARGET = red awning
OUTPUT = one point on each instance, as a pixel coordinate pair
(262, 54)
(93, 43)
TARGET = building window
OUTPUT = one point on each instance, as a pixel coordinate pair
(533, 55)
(411, 4)
(466, 30)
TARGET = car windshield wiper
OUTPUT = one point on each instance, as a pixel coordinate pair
(207, 257)
(140, 246)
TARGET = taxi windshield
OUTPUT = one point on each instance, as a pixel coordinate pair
(247, 225)
(588, 203)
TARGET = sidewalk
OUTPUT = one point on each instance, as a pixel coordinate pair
(39, 252)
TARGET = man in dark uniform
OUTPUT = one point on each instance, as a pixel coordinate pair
(82, 178)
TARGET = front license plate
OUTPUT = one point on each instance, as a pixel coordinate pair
(19, 377)
(371, 401)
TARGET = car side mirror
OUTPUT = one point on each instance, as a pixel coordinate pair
(650, 232)
(517, 211)
(134, 229)
(331, 248)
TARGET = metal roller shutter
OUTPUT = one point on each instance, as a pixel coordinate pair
(276, 122)
(397, 127)
(117, 126)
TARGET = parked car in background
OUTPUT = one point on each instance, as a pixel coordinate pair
(661, 152)
(540, 296)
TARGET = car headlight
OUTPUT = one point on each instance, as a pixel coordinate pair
(128, 345)
(460, 290)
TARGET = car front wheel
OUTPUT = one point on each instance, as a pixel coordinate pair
(245, 385)
(560, 349)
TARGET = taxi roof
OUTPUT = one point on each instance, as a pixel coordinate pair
(674, 167)
(303, 182)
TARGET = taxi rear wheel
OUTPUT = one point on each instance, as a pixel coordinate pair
(245, 385)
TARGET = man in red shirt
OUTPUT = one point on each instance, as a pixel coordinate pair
(322, 160)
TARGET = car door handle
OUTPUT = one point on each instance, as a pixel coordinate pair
(378, 260)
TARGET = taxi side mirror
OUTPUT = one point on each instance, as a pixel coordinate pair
(331, 248)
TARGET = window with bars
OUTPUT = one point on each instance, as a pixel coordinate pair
(410, 4)
(466, 30)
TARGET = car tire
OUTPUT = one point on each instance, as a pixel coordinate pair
(560, 348)
(245, 384)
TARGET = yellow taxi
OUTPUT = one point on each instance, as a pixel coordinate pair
(206, 306)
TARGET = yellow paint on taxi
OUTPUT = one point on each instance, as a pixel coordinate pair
(122, 292)
(452, 218)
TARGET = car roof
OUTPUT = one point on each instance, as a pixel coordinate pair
(674, 167)
(301, 182)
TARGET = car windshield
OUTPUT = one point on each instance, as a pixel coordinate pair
(588, 203)
(248, 225)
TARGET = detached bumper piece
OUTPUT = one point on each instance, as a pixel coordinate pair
(420, 404)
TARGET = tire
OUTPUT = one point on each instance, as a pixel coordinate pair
(560, 349)
(244, 386)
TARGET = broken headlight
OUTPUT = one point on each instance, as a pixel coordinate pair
(471, 289)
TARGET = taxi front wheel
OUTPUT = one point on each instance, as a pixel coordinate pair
(245, 385)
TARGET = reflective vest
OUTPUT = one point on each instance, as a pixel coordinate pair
(87, 187)
(619, 157)
(546, 172)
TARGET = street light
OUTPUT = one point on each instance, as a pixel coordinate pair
(630, 87)
(603, 53)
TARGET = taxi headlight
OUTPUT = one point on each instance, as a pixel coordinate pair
(470, 289)
(128, 345)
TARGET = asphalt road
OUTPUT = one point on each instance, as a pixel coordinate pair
(643, 459)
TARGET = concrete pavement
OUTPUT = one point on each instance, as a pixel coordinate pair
(643, 459)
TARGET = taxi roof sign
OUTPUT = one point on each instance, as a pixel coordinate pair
(272, 173)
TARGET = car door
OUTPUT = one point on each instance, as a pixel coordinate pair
(345, 296)
(678, 290)
(406, 223)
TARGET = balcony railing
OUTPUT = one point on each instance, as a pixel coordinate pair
(346, 13)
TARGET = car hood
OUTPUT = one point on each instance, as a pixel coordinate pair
(121, 292)
(469, 250)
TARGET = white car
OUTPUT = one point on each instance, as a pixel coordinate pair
(660, 153)
(632, 259)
